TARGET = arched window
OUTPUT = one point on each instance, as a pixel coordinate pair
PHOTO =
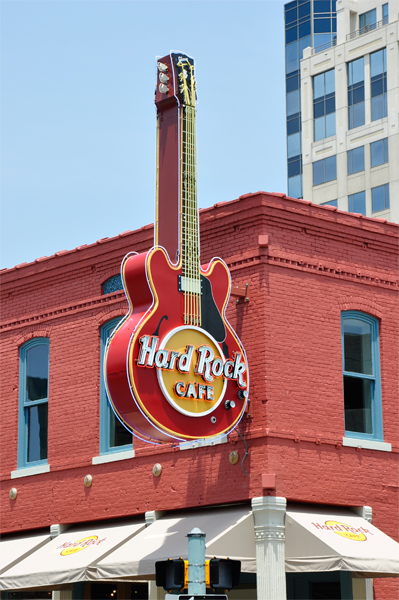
(113, 284)
(33, 403)
(114, 437)
(362, 380)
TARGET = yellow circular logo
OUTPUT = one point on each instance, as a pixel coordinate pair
(196, 381)
(346, 531)
(73, 547)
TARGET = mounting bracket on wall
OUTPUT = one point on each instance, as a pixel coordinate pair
(241, 293)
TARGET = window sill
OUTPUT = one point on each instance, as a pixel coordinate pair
(112, 457)
(27, 471)
(201, 443)
(367, 444)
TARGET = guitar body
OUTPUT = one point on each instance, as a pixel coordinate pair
(147, 397)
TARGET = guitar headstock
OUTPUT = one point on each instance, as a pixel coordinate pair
(176, 79)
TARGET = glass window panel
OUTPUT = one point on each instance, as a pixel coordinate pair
(330, 105)
(318, 172)
(292, 83)
(37, 365)
(380, 198)
(330, 203)
(304, 29)
(356, 71)
(113, 284)
(357, 347)
(304, 43)
(377, 87)
(304, 10)
(290, 16)
(291, 35)
(290, 5)
(318, 86)
(334, 24)
(322, 25)
(358, 159)
(357, 203)
(357, 115)
(385, 12)
(294, 168)
(358, 94)
(319, 129)
(291, 58)
(379, 152)
(331, 168)
(330, 81)
(330, 124)
(294, 187)
(37, 432)
(293, 125)
(318, 109)
(378, 108)
(118, 434)
(293, 103)
(322, 38)
(294, 145)
(321, 6)
(357, 404)
(377, 63)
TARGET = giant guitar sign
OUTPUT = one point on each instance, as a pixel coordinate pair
(174, 367)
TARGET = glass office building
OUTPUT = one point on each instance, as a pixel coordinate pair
(307, 23)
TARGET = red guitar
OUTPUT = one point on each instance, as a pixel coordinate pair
(174, 368)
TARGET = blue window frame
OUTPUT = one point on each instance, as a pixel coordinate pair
(356, 160)
(380, 198)
(379, 152)
(324, 170)
(356, 114)
(114, 437)
(113, 284)
(33, 403)
(357, 203)
(324, 105)
(361, 376)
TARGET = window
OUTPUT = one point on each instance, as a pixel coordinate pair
(361, 374)
(356, 160)
(295, 187)
(291, 58)
(380, 198)
(378, 70)
(33, 403)
(324, 105)
(114, 437)
(367, 21)
(324, 170)
(357, 203)
(330, 203)
(293, 103)
(356, 116)
(385, 13)
(379, 152)
(113, 284)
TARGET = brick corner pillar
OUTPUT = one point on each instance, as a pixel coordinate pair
(269, 516)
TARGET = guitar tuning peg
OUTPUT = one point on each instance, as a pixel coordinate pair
(163, 88)
(162, 67)
(163, 78)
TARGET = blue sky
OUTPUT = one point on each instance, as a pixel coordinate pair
(78, 114)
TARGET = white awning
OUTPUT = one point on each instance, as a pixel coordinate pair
(229, 533)
(337, 540)
(66, 558)
(15, 548)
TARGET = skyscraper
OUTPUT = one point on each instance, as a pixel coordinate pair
(307, 23)
(342, 106)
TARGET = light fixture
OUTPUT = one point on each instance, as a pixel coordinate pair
(88, 480)
(156, 470)
(13, 493)
(233, 457)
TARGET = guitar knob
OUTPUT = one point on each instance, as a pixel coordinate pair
(229, 404)
(242, 394)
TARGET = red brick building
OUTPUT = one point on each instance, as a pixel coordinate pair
(310, 284)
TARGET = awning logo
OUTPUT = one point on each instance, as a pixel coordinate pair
(356, 534)
(73, 547)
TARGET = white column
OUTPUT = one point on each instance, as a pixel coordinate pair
(269, 515)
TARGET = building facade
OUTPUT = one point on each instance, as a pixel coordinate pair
(349, 120)
(314, 302)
